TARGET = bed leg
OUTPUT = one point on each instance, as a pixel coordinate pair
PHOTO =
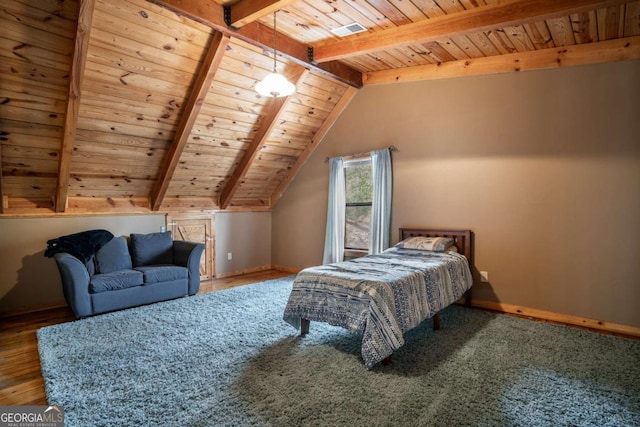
(436, 322)
(387, 360)
(304, 326)
(467, 299)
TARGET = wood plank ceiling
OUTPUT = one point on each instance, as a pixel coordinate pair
(137, 106)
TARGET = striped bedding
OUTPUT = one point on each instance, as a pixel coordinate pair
(379, 296)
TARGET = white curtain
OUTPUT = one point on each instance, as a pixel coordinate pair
(381, 202)
(334, 235)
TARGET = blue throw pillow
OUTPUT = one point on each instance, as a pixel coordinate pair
(113, 256)
(152, 249)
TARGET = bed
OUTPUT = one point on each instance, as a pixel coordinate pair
(383, 296)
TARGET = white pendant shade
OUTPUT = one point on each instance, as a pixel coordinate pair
(275, 85)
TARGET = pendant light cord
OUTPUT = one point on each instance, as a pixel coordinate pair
(275, 85)
(275, 41)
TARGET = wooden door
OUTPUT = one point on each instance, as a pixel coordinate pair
(196, 229)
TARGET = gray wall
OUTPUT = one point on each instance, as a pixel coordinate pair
(30, 280)
(544, 167)
(247, 235)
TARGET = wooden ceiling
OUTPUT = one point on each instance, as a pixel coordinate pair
(135, 106)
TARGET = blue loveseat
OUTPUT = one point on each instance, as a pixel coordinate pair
(124, 273)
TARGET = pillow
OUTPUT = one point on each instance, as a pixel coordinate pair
(152, 249)
(113, 256)
(438, 244)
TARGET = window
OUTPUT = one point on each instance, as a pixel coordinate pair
(359, 195)
(359, 206)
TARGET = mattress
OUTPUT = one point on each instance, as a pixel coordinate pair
(380, 297)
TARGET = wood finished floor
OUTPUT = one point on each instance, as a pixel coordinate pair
(21, 381)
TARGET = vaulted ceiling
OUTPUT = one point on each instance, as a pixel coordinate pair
(137, 106)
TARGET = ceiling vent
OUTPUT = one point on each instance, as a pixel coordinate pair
(347, 30)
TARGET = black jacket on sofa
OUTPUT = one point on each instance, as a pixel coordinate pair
(83, 245)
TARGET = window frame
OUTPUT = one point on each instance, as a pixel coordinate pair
(359, 161)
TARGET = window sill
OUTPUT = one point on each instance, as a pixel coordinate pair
(354, 253)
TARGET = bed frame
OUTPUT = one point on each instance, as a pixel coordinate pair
(463, 240)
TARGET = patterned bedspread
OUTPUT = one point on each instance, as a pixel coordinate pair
(379, 296)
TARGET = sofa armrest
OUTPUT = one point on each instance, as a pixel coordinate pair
(75, 283)
(187, 254)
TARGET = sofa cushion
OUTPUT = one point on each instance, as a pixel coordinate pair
(163, 273)
(120, 279)
(91, 266)
(113, 256)
(152, 248)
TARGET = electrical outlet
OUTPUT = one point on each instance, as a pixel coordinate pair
(484, 276)
(229, 256)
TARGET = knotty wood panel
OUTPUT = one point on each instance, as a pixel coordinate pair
(143, 59)
(36, 43)
(141, 64)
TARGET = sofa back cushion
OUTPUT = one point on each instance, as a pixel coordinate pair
(113, 256)
(91, 265)
(152, 249)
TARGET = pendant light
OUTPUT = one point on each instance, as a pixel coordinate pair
(275, 85)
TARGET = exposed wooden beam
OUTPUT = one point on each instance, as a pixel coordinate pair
(346, 98)
(207, 72)
(276, 108)
(256, 34)
(583, 54)
(484, 18)
(78, 62)
(246, 11)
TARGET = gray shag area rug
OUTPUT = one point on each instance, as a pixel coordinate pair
(228, 359)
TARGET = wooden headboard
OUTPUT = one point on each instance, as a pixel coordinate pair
(462, 238)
